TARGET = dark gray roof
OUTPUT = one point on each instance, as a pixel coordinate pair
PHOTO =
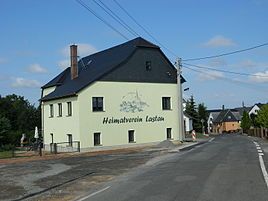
(95, 66)
(228, 116)
(242, 109)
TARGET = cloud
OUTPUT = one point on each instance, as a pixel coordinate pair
(217, 62)
(219, 41)
(259, 77)
(210, 75)
(64, 64)
(2, 60)
(25, 83)
(36, 68)
(251, 64)
(83, 49)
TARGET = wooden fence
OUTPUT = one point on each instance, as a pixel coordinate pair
(258, 132)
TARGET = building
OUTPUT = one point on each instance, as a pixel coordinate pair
(224, 120)
(127, 94)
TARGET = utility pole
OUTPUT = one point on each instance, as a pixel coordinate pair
(180, 100)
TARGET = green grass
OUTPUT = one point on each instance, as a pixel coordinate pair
(5, 154)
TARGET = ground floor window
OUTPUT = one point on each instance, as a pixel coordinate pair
(169, 135)
(52, 139)
(97, 139)
(131, 136)
(70, 140)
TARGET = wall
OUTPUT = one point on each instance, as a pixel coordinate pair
(61, 126)
(114, 94)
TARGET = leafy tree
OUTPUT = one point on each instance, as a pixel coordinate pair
(262, 117)
(246, 122)
(21, 115)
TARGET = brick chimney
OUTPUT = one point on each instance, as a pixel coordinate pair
(74, 66)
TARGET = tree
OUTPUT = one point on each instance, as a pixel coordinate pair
(262, 116)
(191, 110)
(246, 122)
(202, 115)
(21, 115)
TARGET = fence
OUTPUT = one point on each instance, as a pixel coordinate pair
(26, 151)
(60, 147)
(258, 132)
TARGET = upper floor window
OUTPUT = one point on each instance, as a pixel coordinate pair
(69, 108)
(59, 109)
(148, 65)
(97, 104)
(166, 103)
(51, 110)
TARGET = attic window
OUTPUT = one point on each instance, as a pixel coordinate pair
(229, 117)
(148, 65)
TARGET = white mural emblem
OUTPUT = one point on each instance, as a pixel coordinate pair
(132, 103)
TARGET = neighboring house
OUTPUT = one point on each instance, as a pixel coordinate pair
(213, 114)
(225, 120)
(123, 95)
(255, 108)
(188, 123)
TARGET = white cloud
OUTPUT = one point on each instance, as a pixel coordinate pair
(83, 49)
(25, 83)
(251, 64)
(219, 62)
(210, 75)
(64, 64)
(260, 77)
(219, 41)
(36, 68)
(2, 60)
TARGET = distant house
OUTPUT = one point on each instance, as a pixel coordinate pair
(124, 95)
(225, 120)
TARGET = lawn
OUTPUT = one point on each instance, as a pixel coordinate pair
(5, 154)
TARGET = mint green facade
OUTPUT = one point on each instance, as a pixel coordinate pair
(126, 106)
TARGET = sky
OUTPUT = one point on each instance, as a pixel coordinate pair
(36, 35)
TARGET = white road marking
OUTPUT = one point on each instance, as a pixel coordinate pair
(211, 139)
(95, 193)
(261, 154)
(260, 151)
(258, 148)
(263, 169)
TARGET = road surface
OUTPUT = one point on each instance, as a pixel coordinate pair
(224, 169)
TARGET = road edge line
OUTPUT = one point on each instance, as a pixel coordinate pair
(95, 193)
(263, 169)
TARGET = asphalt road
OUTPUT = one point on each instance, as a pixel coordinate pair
(225, 169)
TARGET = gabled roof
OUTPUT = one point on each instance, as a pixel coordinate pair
(94, 67)
(242, 109)
(227, 116)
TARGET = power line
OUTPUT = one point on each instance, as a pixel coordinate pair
(115, 17)
(224, 71)
(243, 84)
(100, 18)
(145, 30)
(226, 54)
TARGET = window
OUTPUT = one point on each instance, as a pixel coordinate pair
(148, 65)
(51, 110)
(60, 109)
(97, 104)
(169, 136)
(166, 103)
(131, 137)
(70, 140)
(52, 139)
(97, 140)
(69, 108)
